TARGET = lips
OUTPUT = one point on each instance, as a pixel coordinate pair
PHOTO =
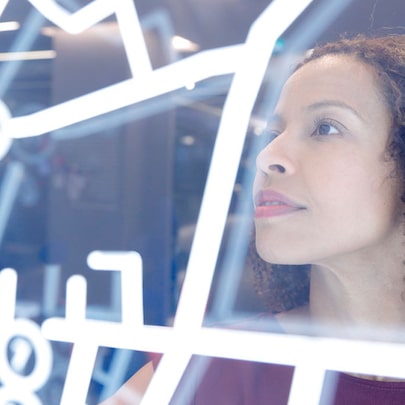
(270, 203)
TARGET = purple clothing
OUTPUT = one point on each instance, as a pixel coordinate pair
(217, 381)
(234, 382)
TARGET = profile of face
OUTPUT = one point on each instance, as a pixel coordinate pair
(325, 189)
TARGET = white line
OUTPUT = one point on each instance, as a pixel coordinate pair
(79, 372)
(79, 21)
(307, 383)
(133, 39)
(76, 299)
(3, 4)
(129, 264)
(263, 347)
(172, 77)
(95, 12)
(230, 139)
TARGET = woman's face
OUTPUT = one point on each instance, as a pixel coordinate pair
(325, 187)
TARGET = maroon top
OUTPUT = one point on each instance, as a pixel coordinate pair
(235, 382)
(217, 381)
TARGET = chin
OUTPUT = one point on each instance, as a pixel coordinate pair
(268, 255)
(280, 256)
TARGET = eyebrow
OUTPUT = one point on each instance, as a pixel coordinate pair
(334, 103)
(277, 119)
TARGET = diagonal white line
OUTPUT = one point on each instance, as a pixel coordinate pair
(277, 17)
(93, 13)
(169, 78)
(79, 21)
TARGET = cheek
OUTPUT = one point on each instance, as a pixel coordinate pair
(368, 201)
(353, 181)
(351, 197)
(382, 189)
(388, 198)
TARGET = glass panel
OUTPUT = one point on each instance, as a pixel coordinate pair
(131, 134)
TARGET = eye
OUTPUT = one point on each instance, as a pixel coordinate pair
(325, 128)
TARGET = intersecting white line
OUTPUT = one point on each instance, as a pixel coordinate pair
(163, 80)
(274, 20)
(18, 387)
(97, 11)
(239, 344)
(130, 266)
(248, 61)
(145, 83)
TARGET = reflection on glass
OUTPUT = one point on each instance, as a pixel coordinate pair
(250, 231)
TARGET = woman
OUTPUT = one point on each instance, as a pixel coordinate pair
(329, 215)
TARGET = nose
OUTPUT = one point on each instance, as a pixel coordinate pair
(276, 157)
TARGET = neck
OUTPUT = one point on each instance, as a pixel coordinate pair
(360, 294)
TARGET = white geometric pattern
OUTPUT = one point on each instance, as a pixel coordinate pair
(187, 336)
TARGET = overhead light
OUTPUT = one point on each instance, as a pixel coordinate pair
(184, 45)
(237, 188)
(258, 125)
(29, 55)
(49, 31)
(187, 140)
(9, 26)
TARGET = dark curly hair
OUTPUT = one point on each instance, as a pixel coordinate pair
(284, 287)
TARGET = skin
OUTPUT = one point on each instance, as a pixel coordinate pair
(329, 157)
(132, 391)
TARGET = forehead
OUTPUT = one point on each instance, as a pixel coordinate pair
(339, 78)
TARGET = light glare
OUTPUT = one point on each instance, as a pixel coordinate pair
(29, 55)
(9, 26)
(184, 45)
